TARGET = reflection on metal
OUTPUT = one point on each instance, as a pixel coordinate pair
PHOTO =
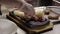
(55, 9)
(58, 1)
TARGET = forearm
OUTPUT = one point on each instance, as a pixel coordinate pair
(12, 3)
(21, 4)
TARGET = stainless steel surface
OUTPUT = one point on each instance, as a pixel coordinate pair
(7, 27)
(55, 9)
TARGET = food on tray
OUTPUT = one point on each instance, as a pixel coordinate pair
(53, 16)
(47, 11)
(19, 13)
(39, 14)
(37, 23)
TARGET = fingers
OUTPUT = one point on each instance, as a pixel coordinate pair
(30, 9)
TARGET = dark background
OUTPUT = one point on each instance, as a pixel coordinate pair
(0, 10)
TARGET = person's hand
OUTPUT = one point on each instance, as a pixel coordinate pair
(28, 9)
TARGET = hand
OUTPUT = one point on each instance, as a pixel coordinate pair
(20, 4)
(28, 9)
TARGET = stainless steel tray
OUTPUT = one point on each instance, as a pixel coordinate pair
(55, 9)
